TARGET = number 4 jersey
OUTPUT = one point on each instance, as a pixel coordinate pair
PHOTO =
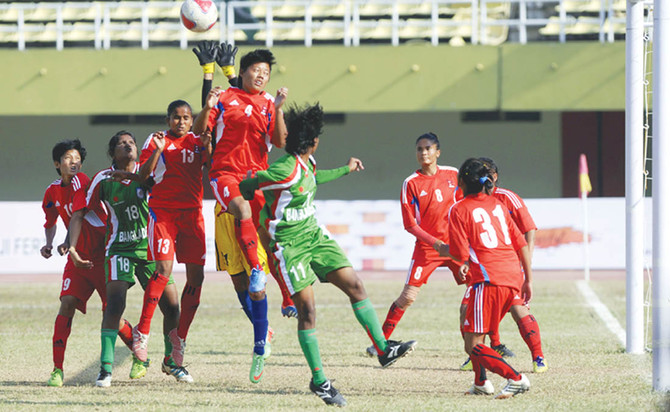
(127, 210)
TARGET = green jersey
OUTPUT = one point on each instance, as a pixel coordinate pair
(289, 186)
(127, 214)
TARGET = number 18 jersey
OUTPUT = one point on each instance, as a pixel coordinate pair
(128, 212)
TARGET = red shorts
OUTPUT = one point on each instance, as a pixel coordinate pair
(227, 187)
(486, 307)
(176, 230)
(81, 283)
(424, 264)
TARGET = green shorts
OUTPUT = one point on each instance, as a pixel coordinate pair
(126, 268)
(301, 261)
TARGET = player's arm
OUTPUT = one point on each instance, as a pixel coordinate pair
(201, 121)
(527, 287)
(279, 175)
(226, 60)
(325, 176)
(63, 247)
(280, 131)
(50, 234)
(206, 51)
(148, 166)
(75, 230)
(530, 239)
(50, 228)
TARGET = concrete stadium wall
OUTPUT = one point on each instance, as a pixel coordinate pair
(384, 141)
(410, 78)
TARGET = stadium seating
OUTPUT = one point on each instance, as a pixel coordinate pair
(126, 23)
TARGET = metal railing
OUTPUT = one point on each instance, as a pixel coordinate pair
(348, 22)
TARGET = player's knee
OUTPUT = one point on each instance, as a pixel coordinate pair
(407, 297)
(519, 312)
(257, 295)
(68, 304)
(115, 306)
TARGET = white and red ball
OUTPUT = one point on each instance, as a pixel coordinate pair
(199, 15)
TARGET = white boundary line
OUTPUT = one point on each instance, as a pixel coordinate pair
(610, 321)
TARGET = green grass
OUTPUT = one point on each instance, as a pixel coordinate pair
(588, 370)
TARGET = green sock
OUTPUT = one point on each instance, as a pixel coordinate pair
(108, 340)
(367, 317)
(168, 345)
(310, 347)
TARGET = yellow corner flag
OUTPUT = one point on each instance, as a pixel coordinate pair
(584, 181)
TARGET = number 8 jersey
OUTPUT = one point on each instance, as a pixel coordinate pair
(127, 213)
(480, 228)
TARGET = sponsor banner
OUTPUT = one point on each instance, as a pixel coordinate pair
(371, 233)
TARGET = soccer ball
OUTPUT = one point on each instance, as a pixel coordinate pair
(199, 15)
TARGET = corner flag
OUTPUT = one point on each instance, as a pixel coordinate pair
(584, 181)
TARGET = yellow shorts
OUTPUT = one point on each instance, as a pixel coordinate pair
(229, 256)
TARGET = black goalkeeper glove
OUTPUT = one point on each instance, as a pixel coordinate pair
(226, 59)
(207, 52)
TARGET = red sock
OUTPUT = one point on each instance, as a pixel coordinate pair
(286, 297)
(494, 335)
(126, 333)
(152, 295)
(190, 300)
(530, 332)
(392, 319)
(246, 235)
(62, 328)
(484, 357)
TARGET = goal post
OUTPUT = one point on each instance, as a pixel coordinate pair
(635, 177)
(661, 199)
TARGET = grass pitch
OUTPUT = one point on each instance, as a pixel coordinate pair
(588, 369)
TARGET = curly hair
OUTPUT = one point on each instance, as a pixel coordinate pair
(304, 125)
(65, 146)
(257, 56)
(476, 176)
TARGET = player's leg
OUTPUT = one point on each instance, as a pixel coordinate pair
(190, 250)
(486, 306)
(75, 291)
(319, 384)
(287, 306)
(169, 306)
(116, 304)
(245, 231)
(530, 332)
(331, 262)
(161, 231)
(62, 328)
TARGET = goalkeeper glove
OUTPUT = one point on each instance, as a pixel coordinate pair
(206, 51)
(226, 59)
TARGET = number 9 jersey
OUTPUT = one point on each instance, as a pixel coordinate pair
(127, 214)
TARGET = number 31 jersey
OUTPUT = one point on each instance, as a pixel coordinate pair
(425, 201)
(128, 212)
(178, 173)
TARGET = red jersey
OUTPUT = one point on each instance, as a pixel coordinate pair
(517, 209)
(62, 201)
(58, 199)
(425, 201)
(479, 227)
(178, 173)
(242, 125)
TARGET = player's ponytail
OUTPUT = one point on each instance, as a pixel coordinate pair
(475, 176)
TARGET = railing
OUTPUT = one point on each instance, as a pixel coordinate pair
(309, 22)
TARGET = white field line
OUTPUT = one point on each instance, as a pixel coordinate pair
(601, 310)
